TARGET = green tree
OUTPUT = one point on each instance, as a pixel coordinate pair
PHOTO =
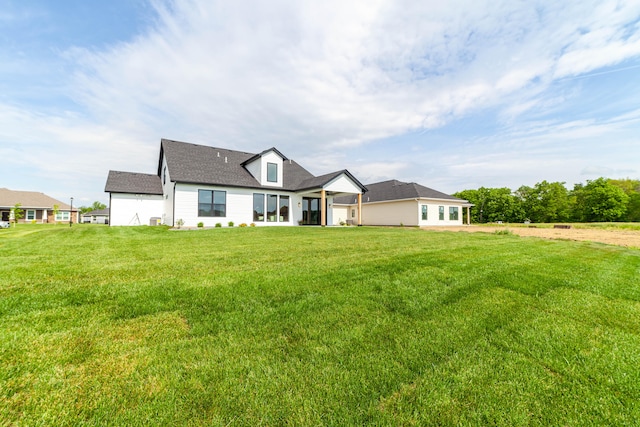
(96, 206)
(545, 202)
(17, 212)
(493, 204)
(631, 187)
(600, 201)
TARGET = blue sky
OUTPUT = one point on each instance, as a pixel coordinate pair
(453, 95)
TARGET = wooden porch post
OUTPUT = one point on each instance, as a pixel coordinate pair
(323, 207)
(468, 215)
(359, 208)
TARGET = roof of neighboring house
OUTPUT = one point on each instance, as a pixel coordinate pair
(97, 212)
(29, 199)
(200, 164)
(396, 190)
(133, 183)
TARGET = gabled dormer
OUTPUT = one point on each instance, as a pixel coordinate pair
(267, 167)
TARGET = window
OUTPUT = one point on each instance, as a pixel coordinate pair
(258, 207)
(424, 212)
(63, 216)
(272, 172)
(353, 213)
(276, 212)
(284, 208)
(453, 213)
(272, 207)
(441, 213)
(164, 175)
(212, 203)
(30, 215)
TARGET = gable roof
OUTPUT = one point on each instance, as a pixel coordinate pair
(133, 183)
(322, 180)
(201, 164)
(98, 212)
(29, 199)
(397, 190)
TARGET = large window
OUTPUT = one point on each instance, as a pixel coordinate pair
(453, 213)
(284, 208)
(272, 207)
(272, 172)
(212, 203)
(441, 213)
(258, 207)
(424, 212)
(277, 208)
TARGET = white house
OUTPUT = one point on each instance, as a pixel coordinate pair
(401, 203)
(201, 184)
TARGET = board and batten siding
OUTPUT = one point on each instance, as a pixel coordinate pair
(239, 207)
(134, 209)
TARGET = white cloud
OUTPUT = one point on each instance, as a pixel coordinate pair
(322, 80)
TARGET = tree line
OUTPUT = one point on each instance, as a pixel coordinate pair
(599, 200)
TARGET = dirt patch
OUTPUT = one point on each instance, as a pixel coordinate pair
(628, 238)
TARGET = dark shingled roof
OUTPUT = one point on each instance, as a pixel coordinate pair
(396, 190)
(319, 181)
(201, 164)
(134, 183)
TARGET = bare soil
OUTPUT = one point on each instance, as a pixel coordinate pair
(628, 238)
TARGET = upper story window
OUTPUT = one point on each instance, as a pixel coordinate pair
(272, 172)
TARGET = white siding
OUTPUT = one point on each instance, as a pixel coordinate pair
(258, 168)
(340, 214)
(342, 184)
(239, 206)
(167, 189)
(134, 209)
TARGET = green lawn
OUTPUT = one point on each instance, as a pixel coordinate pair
(315, 326)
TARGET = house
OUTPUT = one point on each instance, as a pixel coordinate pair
(36, 207)
(99, 216)
(201, 184)
(401, 203)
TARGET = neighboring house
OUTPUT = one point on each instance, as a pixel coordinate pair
(402, 203)
(36, 207)
(201, 184)
(100, 216)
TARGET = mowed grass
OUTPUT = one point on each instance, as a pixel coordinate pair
(315, 326)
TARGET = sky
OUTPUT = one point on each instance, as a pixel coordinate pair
(452, 95)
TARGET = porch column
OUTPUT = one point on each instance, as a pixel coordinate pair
(468, 215)
(323, 207)
(359, 209)
(45, 217)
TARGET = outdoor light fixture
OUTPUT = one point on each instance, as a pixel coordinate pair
(71, 213)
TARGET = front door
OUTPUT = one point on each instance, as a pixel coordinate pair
(5, 216)
(311, 211)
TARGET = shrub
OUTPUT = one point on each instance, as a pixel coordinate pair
(180, 223)
(243, 225)
(230, 224)
(200, 224)
(504, 232)
(218, 224)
